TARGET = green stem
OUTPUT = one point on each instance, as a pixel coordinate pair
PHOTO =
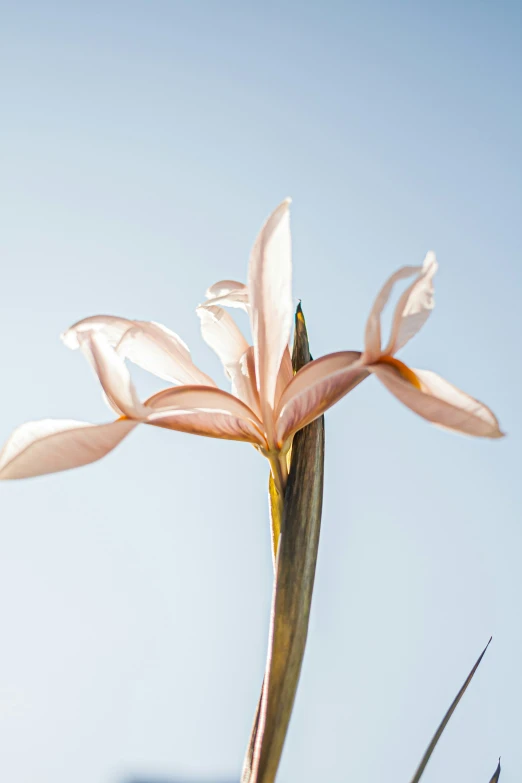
(296, 523)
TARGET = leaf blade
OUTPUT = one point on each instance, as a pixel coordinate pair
(496, 774)
(453, 706)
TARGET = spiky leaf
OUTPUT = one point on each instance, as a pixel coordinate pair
(496, 774)
(445, 721)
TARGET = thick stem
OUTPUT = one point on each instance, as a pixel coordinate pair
(296, 545)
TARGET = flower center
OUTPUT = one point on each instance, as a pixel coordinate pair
(402, 369)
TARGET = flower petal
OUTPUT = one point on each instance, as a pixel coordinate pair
(228, 293)
(50, 446)
(414, 307)
(220, 332)
(315, 388)
(113, 375)
(208, 397)
(155, 348)
(243, 379)
(284, 376)
(205, 411)
(211, 424)
(440, 402)
(372, 336)
(271, 311)
(147, 344)
(112, 328)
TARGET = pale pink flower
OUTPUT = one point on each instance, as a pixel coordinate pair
(268, 404)
(323, 382)
(195, 404)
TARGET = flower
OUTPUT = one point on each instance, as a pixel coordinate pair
(268, 404)
(195, 404)
(423, 391)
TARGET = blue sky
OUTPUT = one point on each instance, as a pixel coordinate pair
(143, 144)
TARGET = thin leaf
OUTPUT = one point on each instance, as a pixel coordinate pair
(445, 721)
(295, 572)
(496, 774)
(246, 772)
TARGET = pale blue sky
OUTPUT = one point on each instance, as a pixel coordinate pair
(142, 146)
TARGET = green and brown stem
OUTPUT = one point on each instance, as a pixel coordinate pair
(296, 545)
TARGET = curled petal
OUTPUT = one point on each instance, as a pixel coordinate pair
(220, 332)
(372, 336)
(243, 379)
(205, 411)
(147, 344)
(155, 348)
(228, 293)
(271, 311)
(50, 446)
(113, 374)
(438, 401)
(112, 328)
(315, 388)
(414, 307)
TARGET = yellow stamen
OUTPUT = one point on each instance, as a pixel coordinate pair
(403, 370)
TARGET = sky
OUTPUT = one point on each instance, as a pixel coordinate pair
(142, 146)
